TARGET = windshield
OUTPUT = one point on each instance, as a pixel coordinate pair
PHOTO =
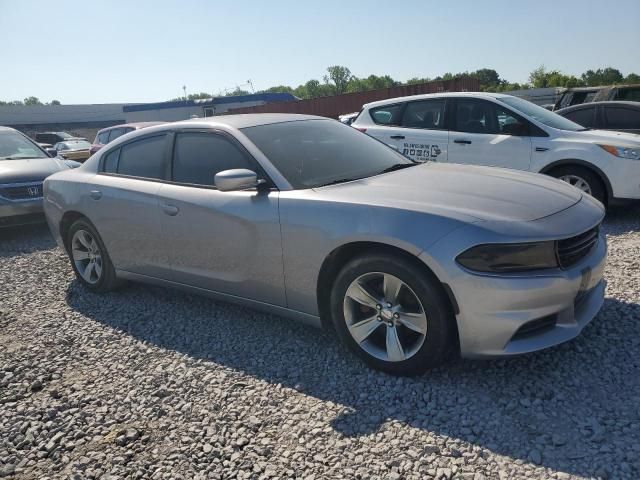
(74, 145)
(312, 153)
(14, 146)
(540, 114)
(64, 135)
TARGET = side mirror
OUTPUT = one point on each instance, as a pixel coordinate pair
(236, 179)
(52, 152)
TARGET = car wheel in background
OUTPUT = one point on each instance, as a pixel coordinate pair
(583, 179)
(89, 258)
(392, 314)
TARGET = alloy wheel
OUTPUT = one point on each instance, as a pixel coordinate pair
(385, 317)
(87, 256)
(578, 182)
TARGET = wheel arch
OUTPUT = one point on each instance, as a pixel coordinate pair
(67, 220)
(340, 255)
(582, 164)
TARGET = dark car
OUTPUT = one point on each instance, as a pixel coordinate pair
(577, 96)
(109, 134)
(619, 116)
(55, 137)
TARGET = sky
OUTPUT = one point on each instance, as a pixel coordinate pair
(144, 51)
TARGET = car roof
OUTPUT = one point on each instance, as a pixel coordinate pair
(584, 106)
(239, 121)
(135, 125)
(436, 95)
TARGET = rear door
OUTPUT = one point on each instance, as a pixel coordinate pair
(417, 129)
(485, 133)
(123, 203)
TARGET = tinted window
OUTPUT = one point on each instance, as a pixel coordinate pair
(143, 158)
(312, 153)
(622, 118)
(584, 116)
(632, 94)
(199, 156)
(110, 164)
(424, 114)
(103, 138)
(540, 114)
(474, 116)
(115, 133)
(387, 115)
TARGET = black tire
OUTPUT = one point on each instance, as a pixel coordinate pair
(596, 186)
(107, 280)
(440, 333)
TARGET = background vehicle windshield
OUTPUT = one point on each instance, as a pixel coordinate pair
(541, 114)
(311, 153)
(14, 146)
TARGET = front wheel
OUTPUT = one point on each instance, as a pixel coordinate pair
(582, 179)
(392, 314)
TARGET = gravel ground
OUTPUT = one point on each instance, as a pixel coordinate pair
(152, 383)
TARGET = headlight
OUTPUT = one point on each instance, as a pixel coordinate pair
(509, 257)
(632, 153)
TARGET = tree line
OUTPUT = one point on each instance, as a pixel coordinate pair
(339, 80)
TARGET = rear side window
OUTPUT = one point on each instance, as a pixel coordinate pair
(583, 116)
(103, 138)
(631, 94)
(427, 114)
(198, 156)
(143, 158)
(110, 164)
(622, 118)
(387, 115)
(115, 133)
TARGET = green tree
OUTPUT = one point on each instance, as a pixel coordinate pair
(417, 80)
(338, 77)
(279, 89)
(632, 78)
(32, 101)
(488, 78)
(55, 102)
(541, 78)
(602, 76)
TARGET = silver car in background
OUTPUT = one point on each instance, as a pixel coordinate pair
(309, 218)
(23, 167)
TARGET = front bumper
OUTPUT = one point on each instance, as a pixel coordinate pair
(510, 315)
(20, 212)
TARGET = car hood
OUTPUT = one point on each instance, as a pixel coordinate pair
(461, 191)
(606, 137)
(29, 169)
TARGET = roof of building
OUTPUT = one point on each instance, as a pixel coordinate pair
(204, 102)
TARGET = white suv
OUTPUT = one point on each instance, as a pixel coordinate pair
(506, 131)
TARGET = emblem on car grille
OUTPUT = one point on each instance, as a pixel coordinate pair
(33, 191)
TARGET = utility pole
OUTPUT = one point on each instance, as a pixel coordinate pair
(184, 89)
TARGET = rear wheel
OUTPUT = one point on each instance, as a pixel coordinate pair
(391, 314)
(89, 258)
(583, 179)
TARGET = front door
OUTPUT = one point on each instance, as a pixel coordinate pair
(228, 242)
(484, 133)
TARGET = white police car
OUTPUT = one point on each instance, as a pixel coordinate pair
(505, 131)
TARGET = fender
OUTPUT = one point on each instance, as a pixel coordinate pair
(587, 165)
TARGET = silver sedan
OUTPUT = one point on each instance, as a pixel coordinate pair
(309, 218)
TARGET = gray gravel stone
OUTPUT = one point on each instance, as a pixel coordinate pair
(148, 383)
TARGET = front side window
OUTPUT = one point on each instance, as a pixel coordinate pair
(143, 158)
(387, 115)
(312, 153)
(14, 146)
(427, 114)
(630, 94)
(199, 156)
(480, 116)
(583, 116)
(110, 164)
(622, 118)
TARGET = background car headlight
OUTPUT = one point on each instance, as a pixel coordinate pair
(509, 257)
(632, 153)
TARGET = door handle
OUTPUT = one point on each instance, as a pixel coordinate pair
(541, 149)
(170, 210)
(95, 194)
(397, 137)
(463, 142)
